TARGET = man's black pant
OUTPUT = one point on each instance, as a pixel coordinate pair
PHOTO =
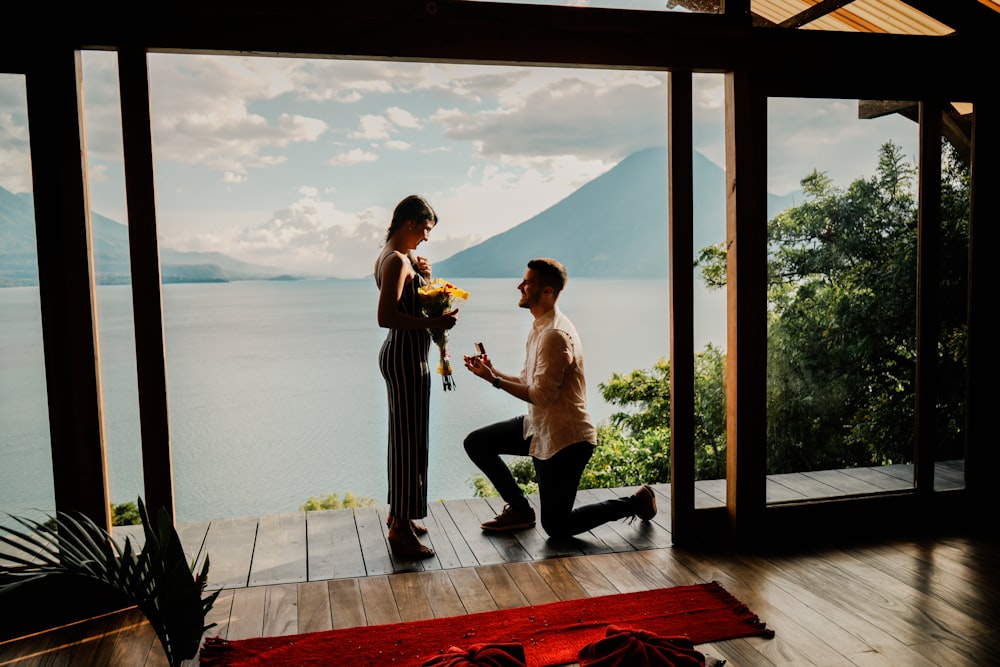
(558, 479)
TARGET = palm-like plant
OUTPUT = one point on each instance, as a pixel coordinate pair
(157, 579)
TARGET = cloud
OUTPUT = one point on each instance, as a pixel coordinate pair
(489, 145)
(311, 236)
(15, 163)
(351, 157)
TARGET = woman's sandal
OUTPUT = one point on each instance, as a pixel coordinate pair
(416, 527)
(409, 548)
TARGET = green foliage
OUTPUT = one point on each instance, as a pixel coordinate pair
(125, 514)
(841, 364)
(523, 469)
(842, 292)
(156, 579)
(332, 501)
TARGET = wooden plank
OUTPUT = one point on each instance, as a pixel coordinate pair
(374, 547)
(230, 545)
(219, 614)
(379, 602)
(623, 579)
(281, 613)
(441, 594)
(880, 479)
(314, 614)
(472, 590)
(247, 617)
(559, 579)
(346, 604)
(844, 483)
(333, 546)
(502, 587)
(711, 493)
(450, 530)
(438, 538)
(534, 588)
(949, 475)
(778, 492)
(133, 646)
(411, 601)
(588, 575)
(468, 524)
(279, 556)
(807, 486)
(192, 535)
(901, 471)
(643, 570)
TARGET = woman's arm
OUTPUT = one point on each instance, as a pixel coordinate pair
(396, 273)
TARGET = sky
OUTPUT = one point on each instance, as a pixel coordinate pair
(298, 163)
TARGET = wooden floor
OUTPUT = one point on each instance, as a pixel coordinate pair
(932, 601)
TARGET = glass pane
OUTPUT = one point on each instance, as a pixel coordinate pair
(25, 447)
(842, 299)
(710, 293)
(953, 297)
(112, 268)
(275, 183)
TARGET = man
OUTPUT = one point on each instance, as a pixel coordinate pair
(557, 432)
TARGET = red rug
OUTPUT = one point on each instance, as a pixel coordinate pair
(552, 634)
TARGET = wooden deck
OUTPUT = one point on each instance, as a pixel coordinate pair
(920, 603)
(342, 544)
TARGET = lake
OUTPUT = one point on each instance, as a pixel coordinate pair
(275, 394)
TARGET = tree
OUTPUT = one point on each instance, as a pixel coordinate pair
(842, 281)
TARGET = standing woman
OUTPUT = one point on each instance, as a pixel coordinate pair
(403, 362)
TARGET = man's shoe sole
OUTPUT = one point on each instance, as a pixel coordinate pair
(508, 528)
(644, 490)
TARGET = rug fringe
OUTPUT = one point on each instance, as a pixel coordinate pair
(740, 608)
(213, 652)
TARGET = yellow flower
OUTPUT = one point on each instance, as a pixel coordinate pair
(442, 288)
(436, 298)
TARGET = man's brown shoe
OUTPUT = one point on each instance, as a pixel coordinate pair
(510, 519)
(645, 502)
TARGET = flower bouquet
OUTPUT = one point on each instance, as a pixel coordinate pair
(438, 297)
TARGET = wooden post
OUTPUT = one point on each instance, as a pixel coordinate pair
(681, 206)
(746, 262)
(928, 282)
(66, 283)
(147, 305)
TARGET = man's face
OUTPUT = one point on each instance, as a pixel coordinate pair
(531, 291)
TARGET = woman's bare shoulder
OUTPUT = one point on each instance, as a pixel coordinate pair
(392, 261)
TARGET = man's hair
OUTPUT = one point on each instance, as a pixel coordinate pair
(551, 273)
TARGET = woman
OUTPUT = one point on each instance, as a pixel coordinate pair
(403, 362)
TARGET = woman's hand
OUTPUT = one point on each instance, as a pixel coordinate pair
(423, 267)
(446, 320)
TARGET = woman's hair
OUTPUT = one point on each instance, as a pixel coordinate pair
(551, 273)
(413, 208)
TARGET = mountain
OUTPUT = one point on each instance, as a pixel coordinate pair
(615, 226)
(19, 262)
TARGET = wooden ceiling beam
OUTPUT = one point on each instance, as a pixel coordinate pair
(817, 11)
(498, 33)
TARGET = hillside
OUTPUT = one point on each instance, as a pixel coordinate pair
(19, 262)
(613, 227)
